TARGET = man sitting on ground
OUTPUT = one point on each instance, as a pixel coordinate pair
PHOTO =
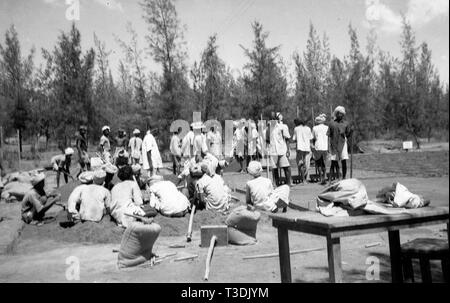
(87, 202)
(212, 193)
(36, 202)
(261, 194)
(126, 198)
(165, 198)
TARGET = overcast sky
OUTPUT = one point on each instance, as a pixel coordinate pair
(39, 22)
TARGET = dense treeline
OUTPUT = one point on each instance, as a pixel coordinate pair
(384, 96)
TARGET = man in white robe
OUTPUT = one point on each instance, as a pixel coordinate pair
(151, 158)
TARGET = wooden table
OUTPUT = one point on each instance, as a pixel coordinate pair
(333, 228)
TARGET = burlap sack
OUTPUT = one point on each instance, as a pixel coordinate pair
(242, 224)
(16, 190)
(137, 244)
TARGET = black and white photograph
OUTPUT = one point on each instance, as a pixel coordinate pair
(214, 144)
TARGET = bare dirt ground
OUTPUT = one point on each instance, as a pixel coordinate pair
(43, 259)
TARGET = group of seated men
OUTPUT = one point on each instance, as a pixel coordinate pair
(140, 195)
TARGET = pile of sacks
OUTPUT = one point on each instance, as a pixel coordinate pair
(14, 186)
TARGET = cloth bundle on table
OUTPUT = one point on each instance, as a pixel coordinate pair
(399, 196)
(137, 244)
(349, 198)
(242, 224)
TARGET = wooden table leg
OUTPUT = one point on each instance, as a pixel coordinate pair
(285, 258)
(334, 259)
(395, 253)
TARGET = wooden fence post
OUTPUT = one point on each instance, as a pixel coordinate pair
(18, 147)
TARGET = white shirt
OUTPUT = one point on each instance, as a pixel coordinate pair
(187, 142)
(303, 136)
(258, 191)
(104, 141)
(320, 134)
(278, 146)
(135, 145)
(240, 136)
(175, 148)
(92, 199)
(253, 143)
(126, 197)
(216, 193)
(149, 144)
(165, 197)
(200, 144)
(215, 143)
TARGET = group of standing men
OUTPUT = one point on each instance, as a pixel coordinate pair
(271, 144)
(325, 141)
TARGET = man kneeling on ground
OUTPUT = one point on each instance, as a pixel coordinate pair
(166, 199)
(36, 202)
(261, 194)
(87, 202)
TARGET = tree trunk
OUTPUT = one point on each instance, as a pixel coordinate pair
(20, 141)
(416, 139)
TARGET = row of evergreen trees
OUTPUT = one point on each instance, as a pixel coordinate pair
(400, 97)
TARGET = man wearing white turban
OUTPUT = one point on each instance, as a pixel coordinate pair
(36, 202)
(338, 132)
(87, 202)
(135, 147)
(320, 140)
(303, 137)
(260, 191)
(105, 144)
(279, 149)
(61, 164)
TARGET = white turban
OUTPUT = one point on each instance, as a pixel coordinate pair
(86, 177)
(136, 168)
(155, 179)
(99, 176)
(254, 168)
(340, 109)
(69, 151)
(321, 118)
(37, 178)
